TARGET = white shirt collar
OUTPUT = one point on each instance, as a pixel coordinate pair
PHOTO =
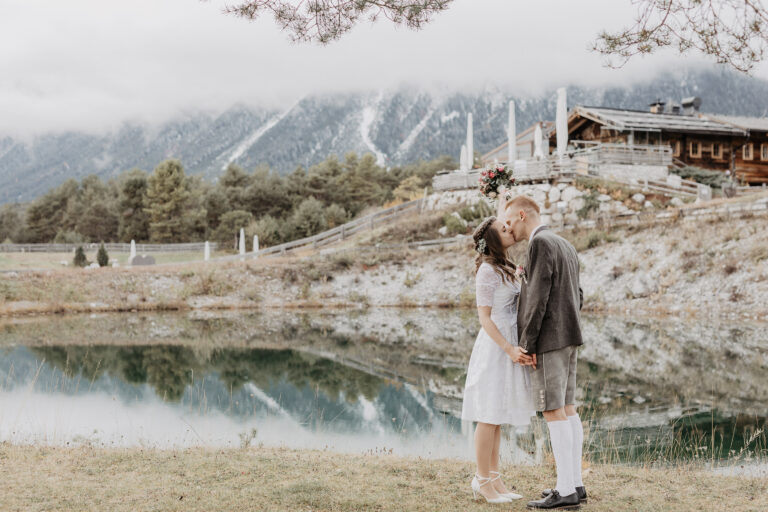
(533, 233)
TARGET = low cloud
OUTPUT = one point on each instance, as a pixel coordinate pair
(87, 65)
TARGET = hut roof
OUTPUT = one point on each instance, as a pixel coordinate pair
(746, 123)
(637, 120)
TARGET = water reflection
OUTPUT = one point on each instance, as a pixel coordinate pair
(173, 396)
(651, 391)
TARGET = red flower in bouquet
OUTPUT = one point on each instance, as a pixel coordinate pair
(493, 180)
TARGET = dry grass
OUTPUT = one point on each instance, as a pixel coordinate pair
(25, 261)
(85, 478)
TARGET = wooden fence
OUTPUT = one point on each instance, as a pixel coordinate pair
(736, 208)
(319, 240)
(140, 248)
(595, 161)
(336, 234)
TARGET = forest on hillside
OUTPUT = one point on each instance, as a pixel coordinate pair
(169, 206)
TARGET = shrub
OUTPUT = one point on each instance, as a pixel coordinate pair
(478, 211)
(102, 258)
(714, 179)
(454, 224)
(335, 215)
(80, 260)
(230, 225)
(267, 229)
(408, 189)
(590, 203)
(68, 237)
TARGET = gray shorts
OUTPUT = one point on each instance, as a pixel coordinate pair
(553, 382)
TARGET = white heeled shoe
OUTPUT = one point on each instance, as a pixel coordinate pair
(480, 481)
(509, 495)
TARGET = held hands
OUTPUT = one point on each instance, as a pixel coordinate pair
(520, 356)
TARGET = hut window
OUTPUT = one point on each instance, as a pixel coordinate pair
(675, 148)
(717, 150)
(694, 149)
(763, 151)
(747, 151)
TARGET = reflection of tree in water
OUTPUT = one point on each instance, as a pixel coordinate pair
(170, 368)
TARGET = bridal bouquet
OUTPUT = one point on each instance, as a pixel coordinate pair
(493, 180)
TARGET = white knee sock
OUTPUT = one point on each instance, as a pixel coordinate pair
(561, 436)
(578, 441)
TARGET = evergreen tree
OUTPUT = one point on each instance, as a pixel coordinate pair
(408, 189)
(46, 215)
(133, 221)
(335, 216)
(97, 222)
(230, 225)
(268, 229)
(10, 223)
(80, 259)
(102, 258)
(216, 205)
(307, 219)
(167, 198)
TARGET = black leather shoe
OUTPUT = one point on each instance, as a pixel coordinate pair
(581, 491)
(556, 502)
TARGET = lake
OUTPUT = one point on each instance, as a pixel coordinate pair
(373, 381)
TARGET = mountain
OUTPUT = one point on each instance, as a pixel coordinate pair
(398, 126)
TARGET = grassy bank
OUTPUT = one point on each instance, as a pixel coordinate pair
(84, 478)
(697, 268)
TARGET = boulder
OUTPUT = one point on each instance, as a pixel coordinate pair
(143, 259)
(552, 208)
(648, 205)
(546, 219)
(561, 186)
(576, 204)
(570, 193)
(539, 196)
(543, 187)
(557, 217)
(562, 206)
(571, 218)
(554, 195)
(676, 202)
(443, 230)
(603, 198)
(641, 286)
(638, 198)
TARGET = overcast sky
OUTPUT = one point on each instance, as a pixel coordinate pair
(92, 64)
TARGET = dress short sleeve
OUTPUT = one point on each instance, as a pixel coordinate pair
(486, 283)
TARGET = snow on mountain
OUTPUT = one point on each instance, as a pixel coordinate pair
(398, 126)
(255, 136)
(369, 116)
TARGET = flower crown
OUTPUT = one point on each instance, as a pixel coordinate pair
(480, 245)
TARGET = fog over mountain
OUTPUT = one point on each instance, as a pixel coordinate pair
(398, 125)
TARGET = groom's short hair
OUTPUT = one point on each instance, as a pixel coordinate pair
(524, 203)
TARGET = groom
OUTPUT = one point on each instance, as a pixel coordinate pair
(549, 329)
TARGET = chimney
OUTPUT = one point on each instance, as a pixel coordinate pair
(691, 105)
(657, 107)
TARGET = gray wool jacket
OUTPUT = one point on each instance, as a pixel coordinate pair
(548, 315)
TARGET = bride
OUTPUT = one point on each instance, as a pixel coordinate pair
(497, 390)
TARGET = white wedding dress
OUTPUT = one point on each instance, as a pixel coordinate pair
(497, 390)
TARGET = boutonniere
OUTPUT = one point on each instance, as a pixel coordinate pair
(521, 274)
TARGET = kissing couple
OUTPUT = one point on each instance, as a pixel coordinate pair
(524, 358)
